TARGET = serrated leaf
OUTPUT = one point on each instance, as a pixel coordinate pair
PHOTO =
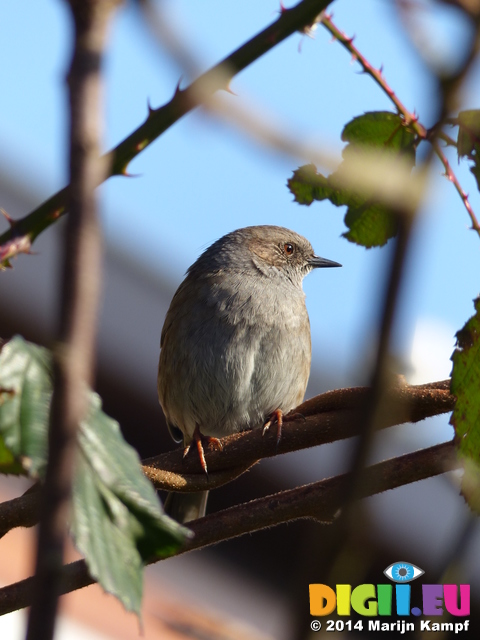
(117, 519)
(380, 129)
(26, 385)
(465, 385)
(468, 141)
(122, 508)
(307, 185)
(370, 223)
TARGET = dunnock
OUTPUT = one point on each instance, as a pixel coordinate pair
(235, 346)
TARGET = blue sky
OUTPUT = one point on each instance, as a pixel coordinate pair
(202, 179)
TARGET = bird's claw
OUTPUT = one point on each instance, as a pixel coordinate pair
(199, 440)
(276, 416)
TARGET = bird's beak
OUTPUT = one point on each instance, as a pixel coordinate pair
(316, 261)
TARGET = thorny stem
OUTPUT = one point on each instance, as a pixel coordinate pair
(411, 119)
(20, 237)
(450, 175)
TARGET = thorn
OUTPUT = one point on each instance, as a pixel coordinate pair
(10, 220)
(177, 88)
(131, 175)
(380, 69)
(229, 90)
(140, 146)
(283, 8)
(151, 110)
(57, 213)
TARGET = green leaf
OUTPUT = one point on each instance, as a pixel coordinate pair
(369, 223)
(465, 418)
(26, 385)
(468, 141)
(380, 129)
(117, 520)
(117, 514)
(307, 185)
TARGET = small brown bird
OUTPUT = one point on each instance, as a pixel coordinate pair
(235, 346)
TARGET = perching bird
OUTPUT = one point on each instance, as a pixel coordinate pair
(235, 346)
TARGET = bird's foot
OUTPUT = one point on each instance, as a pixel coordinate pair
(201, 440)
(278, 417)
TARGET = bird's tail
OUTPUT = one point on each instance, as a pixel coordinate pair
(184, 507)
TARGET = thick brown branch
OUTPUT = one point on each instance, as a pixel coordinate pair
(329, 417)
(19, 512)
(74, 354)
(319, 500)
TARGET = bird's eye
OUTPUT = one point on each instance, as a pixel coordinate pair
(288, 248)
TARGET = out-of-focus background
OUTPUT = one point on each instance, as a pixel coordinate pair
(199, 180)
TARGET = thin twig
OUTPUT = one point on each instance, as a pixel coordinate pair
(450, 175)
(448, 88)
(319, 500)
(167, 38)
(370, 419)
(411, 119)
(74, 354)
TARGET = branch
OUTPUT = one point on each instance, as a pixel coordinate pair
(332, 416)
(74, 354)
(327, 418)
(450, 175)
(319, 500)
(370, 419)
(411, 119)
(21, 235)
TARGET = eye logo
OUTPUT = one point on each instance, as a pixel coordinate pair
(403, 572)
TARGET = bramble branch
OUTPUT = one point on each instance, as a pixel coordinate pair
(326, 418)
(411, 119)
(319, 501)
(23, 232)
